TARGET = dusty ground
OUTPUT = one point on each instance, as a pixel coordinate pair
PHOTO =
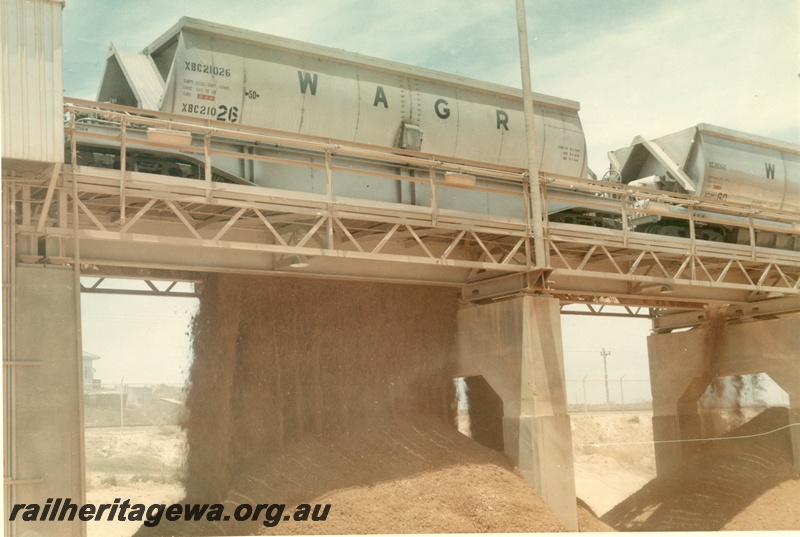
(776, 509)
(445, 483)
(607, 474)
(145, 493)
(136, 463)
(420, 478)
(132, 454)
(739, 483)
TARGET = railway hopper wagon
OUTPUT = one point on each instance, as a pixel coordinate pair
(715, 163)
(233, 77)
(220, 73)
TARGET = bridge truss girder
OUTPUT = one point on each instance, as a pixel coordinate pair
(117, 221)
(175, 226)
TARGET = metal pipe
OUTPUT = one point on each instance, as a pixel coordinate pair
(623, 210)
(540, 259)
(526, 200)
(73, 143)
(76, 251)
(328, 175)
(13, 319)
(10, 258)
(26, 205)
(207, 173)
(331, 199)
(123, 165)
(692, 242)
(434, 202)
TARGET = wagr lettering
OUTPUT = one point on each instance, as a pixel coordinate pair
(309, 83)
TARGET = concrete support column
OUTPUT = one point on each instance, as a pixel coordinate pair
(680, 371)
(683, 364)
(769, 346)
(43, 387)
(794, 418)
(788, 378)
(516, 346)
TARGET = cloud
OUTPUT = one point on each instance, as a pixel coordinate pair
(722, 62)
(637, 68)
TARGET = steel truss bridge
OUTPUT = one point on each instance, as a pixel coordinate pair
(123, 223)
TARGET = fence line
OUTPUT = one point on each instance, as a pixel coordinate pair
(622, 394)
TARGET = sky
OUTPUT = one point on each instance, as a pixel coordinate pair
(139, 339)
(638, 67)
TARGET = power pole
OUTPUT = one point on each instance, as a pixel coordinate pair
(605, 370)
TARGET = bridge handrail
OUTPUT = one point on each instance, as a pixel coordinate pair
(629, 203)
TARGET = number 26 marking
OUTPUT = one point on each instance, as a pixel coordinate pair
(228, 114)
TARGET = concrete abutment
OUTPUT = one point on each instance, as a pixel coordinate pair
(516, 346)
(43, 392)
(683, 364)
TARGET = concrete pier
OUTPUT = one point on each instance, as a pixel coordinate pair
(44, 398)
(683, 364)
(516, 346)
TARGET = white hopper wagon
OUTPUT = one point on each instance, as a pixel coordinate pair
(227, 74)
(235, 76)
(720, 164)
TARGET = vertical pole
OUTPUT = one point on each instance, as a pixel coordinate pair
(434, 202)
(10, 376)
(329, 191)
(584, 393)
(26, 205)
(533, 158)
(692, 242)
(329, 174)
(623, 206)
(207, 173)
(73, 143)
(526, 200)
(76, 251)
(123, 164)
(605, 372)
(622, 394)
